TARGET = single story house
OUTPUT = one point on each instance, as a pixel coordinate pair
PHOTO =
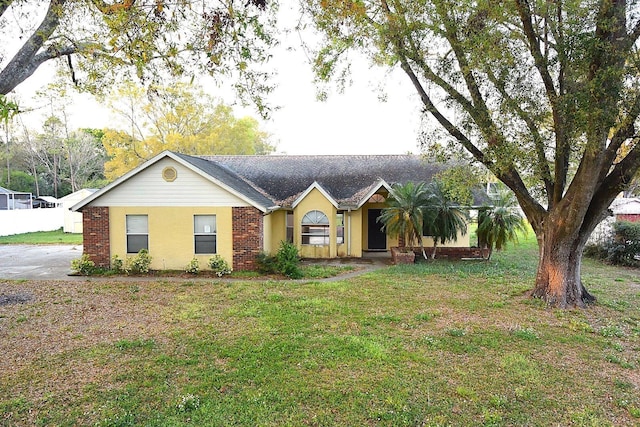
(180, 207)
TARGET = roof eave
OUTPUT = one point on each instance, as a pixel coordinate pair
(381, 184)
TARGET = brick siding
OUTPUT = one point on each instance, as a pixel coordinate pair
(247, 237)
(452, 252)
(95, 235)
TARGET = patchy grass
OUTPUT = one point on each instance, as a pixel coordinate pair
(43, 238)
(438, 343)
(319, 271)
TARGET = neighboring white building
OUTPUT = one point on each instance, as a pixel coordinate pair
(10, 200)
(623, 209)
(73, 220)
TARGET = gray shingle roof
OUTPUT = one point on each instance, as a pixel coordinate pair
(229, 177)
(282, 179)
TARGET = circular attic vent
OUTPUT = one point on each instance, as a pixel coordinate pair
(169, 174)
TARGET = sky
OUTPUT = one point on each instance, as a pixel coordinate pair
(354, 122)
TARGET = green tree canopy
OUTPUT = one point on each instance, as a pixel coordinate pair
(544, 94)
(180, 118)
(97, 42)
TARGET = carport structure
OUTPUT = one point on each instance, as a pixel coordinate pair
(10, 200)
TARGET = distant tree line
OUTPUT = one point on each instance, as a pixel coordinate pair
(56, 161)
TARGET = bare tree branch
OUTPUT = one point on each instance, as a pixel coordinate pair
(4, 5)
(27, 59)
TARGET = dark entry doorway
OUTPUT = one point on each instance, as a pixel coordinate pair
(377, 237)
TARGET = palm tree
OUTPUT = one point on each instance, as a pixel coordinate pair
(501, 223)
(403, 216)
(443, 219)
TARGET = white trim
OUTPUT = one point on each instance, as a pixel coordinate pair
(153, 161)
(381, 183)
(318, 187)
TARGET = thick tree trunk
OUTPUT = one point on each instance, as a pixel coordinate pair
(558, 280)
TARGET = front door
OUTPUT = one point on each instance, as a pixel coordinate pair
(377, 237)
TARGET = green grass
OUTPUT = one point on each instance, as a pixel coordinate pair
(434, 344)
(317, 271)
(43, 238)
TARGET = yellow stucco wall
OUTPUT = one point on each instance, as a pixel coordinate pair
(267, 232)
(275, 226)
(354, 228)
(462, 241)
(171, 240)
(355, 235)
(315, 200)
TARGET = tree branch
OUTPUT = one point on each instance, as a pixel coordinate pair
(538, 141)
(4, 5)
(534, 49)
(27, 59)
(562, 154)
(511, 178)
(625, 130)
(615, 181)
(509, 175)
(607, 61)
(632, 37)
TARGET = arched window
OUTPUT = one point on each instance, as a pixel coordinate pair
(315, 228)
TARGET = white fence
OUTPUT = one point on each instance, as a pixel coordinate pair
(28, 220)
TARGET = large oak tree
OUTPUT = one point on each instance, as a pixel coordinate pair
(102, 41)
(544, 93)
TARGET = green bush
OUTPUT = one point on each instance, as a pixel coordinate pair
(117, 264)
(625, 243)
(83, 265)
(288, 260)
(596, 251)
(620, 246)
(139, 263)
(193, 267)
(267, 264)
(219, 265)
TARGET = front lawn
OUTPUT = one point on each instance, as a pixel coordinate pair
(444, 343)
(43, 238)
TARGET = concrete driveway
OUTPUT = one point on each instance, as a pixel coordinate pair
(32, 262)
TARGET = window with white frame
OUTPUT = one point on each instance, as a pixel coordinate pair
(204, 234)
(137, 228)
(315, 228)
(340, 228)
